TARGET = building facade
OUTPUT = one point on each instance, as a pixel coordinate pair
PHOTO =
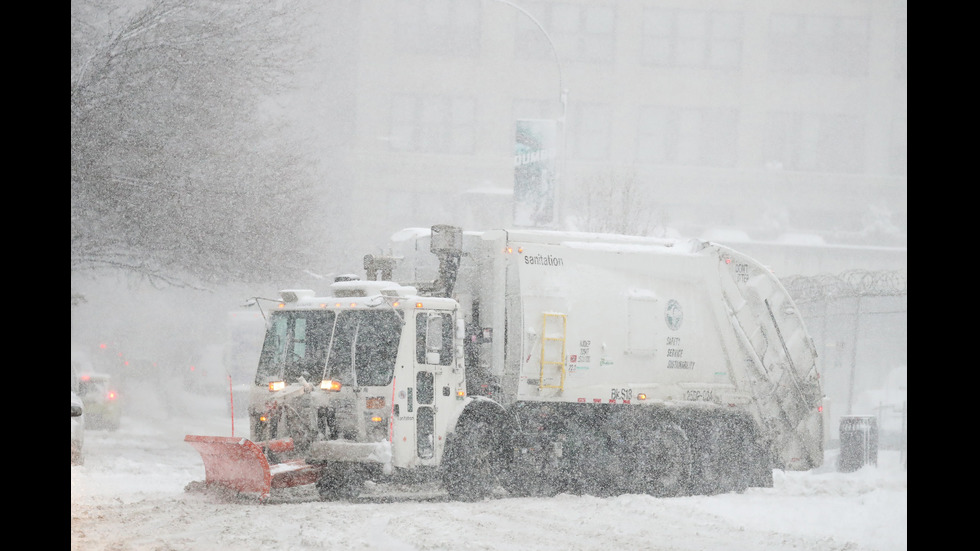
(784, 120)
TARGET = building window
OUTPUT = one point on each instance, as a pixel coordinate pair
(438, 27)
(819, 44)
(691, 38)
(433, 124)
(687, 136)
(590, 131)
(812, 142)
(582, 33)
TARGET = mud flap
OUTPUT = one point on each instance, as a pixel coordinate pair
(241, 465)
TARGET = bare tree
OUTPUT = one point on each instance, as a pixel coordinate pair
(176, 174)
(609, 202)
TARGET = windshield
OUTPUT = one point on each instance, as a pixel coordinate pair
(356, 347)
(295, 345)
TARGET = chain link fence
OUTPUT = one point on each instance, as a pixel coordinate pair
(859, 323)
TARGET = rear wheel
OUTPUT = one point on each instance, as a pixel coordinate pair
(472, 460)
(761, 465)
(731, 462)
(593, 466)
(741, 460)
(662, 461)
(530, 470)
(717, 459)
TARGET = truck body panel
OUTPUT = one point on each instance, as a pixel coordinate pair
(593, 318)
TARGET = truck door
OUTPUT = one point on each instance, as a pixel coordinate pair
(433, 354)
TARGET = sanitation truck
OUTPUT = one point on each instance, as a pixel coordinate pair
(532, 363)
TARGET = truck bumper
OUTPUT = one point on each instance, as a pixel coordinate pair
(351, 452)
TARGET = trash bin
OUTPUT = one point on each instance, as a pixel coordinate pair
(858, 442)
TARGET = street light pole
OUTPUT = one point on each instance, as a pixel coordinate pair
(562, 95)
(562, 91)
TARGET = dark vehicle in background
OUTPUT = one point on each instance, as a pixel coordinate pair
(100, 400)
(77, 421)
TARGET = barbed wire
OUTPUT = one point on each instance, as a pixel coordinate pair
(853, 283)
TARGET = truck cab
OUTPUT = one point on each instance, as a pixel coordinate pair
(370, 377)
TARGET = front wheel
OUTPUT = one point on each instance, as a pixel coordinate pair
(471, 464)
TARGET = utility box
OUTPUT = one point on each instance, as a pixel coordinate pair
(858, 442)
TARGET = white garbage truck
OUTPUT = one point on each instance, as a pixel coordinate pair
(532, 363)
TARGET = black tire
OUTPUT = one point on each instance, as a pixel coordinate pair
(762, 465)
(593, 467)
(530, 472)
(718, 456)
(730, 463)
(757, 464)
(703, 453)
(742, 461)
(661, 462)
(472, 461)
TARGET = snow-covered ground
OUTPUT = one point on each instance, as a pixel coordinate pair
(131, 494)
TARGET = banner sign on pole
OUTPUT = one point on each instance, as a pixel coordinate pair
(535, 154)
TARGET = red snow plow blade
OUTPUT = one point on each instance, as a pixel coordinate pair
(241, 465)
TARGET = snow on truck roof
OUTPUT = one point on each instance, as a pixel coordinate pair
(349, 289)
(573, 239)
(545, 236)
(366, 288)
(665, 246)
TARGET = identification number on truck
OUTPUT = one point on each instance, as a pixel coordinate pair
(698, 396)
(621, 394)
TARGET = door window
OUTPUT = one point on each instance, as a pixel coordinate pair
(434, 338)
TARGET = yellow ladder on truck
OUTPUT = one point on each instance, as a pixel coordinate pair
(549, 360)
